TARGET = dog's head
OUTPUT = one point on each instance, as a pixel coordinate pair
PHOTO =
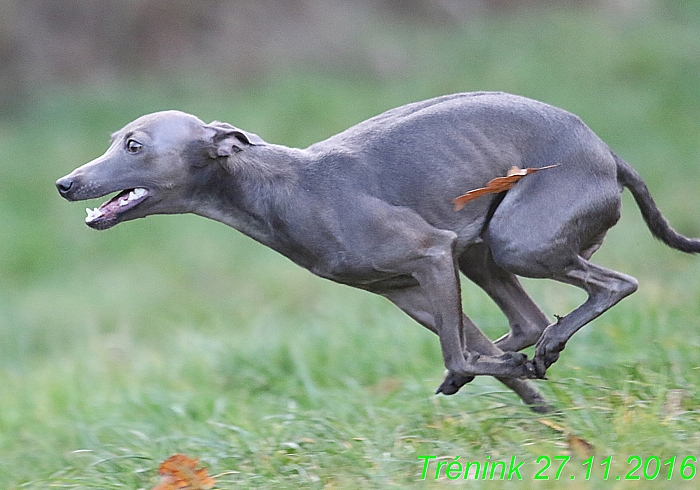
(155, 164)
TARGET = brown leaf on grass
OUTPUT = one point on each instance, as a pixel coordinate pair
(180, 472)
(499, 184)
(578, 446)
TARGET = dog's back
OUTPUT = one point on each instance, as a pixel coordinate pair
(424, 154)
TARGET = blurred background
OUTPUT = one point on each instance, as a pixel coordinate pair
(171, 299)
(82, 42)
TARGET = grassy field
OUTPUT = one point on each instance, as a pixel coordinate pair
(179, 335)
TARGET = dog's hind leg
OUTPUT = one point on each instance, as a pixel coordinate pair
(548, 225)
(526, 320)
(605, 288)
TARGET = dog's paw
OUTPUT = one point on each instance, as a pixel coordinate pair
(452, 383)
(534, 369)
(518, 365)
(514, 359)
(546, 353)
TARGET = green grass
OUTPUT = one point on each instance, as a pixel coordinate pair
(176, 334)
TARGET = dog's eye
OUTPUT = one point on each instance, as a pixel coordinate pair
(133, 146)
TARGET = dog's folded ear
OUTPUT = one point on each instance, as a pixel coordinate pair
(225, 140)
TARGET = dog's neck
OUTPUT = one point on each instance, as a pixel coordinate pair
(252, 188)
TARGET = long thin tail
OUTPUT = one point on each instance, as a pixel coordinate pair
(658, 225)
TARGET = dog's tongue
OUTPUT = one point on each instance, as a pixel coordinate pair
(121, 202)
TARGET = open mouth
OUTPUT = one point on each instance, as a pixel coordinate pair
(108, 214)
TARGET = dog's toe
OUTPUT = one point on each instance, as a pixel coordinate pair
(536, 368)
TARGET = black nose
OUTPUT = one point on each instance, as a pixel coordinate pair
(64, 186)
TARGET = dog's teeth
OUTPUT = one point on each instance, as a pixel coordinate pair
(92, 214)
(133, 195)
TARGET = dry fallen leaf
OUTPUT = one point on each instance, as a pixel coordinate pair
(180, 472)
(578, 446)
(499, 184)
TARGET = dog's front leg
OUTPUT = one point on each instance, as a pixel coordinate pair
(416, 303)
(414, 266)
(435, 302)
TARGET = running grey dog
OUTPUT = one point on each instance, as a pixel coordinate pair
(371, 207)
